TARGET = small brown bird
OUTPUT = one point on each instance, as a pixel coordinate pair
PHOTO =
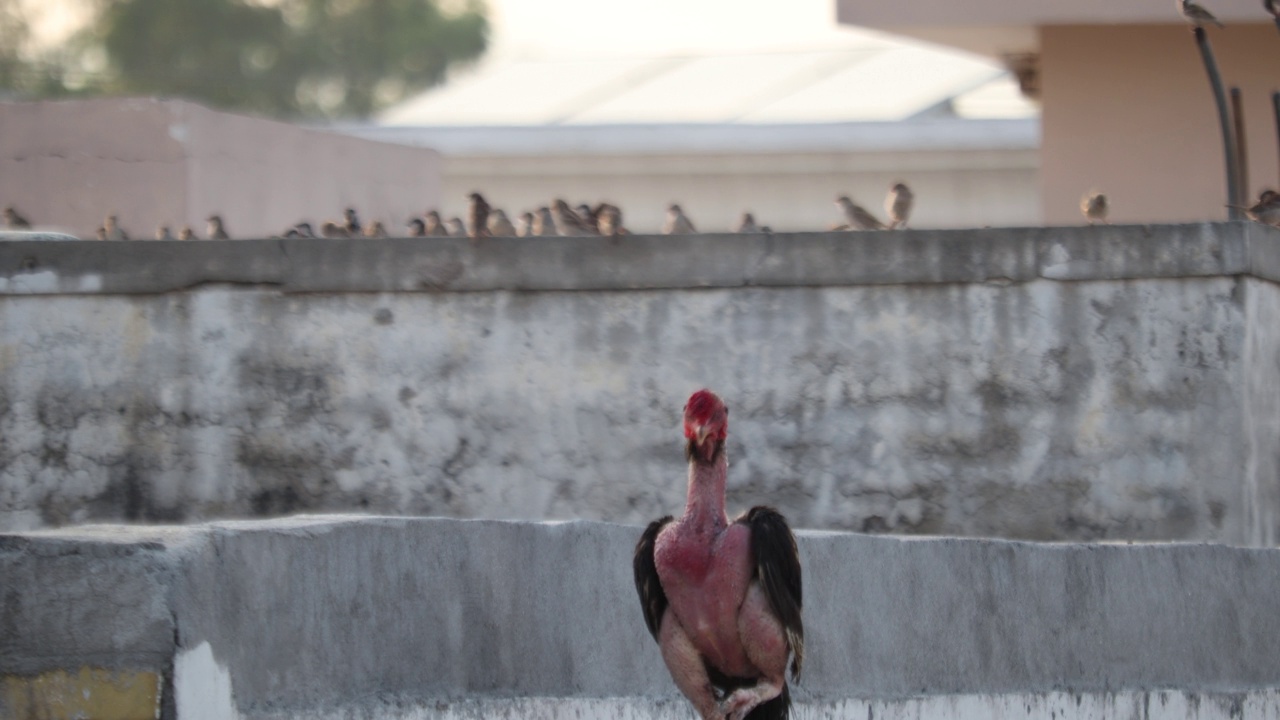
(417, 228)
(162, 233)
(216, 231)
(609, 220)
(524, 224)
(1094, 207)
(746, 224)
(677, 223)
(567, 222)
(352, 222)
(186, 233)
(376, 230)
(500, 225)
(455, 227)
(477, 216)
(15, 221)
(434, 226)
(111, 226)
(1266, 210)
(301, 230)
(332, 229)
(544, 225)
(588, 216)
(898, 205)
(856, 216)
(1197, 15)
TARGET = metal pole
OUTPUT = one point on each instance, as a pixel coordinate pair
(1224, 122)
(1275, 105)
(1242, 153)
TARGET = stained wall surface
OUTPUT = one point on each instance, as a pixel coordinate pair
(1068, 384)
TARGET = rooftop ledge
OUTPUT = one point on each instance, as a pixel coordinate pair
(644, 262)
(406, 617)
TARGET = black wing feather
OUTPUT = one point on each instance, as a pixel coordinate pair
(778, 571)
(653, 599)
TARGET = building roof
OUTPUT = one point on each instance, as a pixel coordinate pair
(999, 27)
(865, 79)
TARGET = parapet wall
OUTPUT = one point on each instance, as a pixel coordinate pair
(347, 617)
(1054, 383)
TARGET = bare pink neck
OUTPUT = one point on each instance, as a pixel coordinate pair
(705, 504)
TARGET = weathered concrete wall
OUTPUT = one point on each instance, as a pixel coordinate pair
(341, 617)
(1080, 383)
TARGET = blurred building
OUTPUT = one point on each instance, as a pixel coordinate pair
(1126, 105)
(778, 134)
(67, 164)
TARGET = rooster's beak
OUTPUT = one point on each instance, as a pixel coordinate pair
(701, 432)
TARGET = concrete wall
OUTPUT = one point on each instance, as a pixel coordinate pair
(66, 165)
(341, 617)
(1127, 110)
(1049, 384)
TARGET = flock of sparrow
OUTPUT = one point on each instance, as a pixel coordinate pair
(558, 218)
(606, 219)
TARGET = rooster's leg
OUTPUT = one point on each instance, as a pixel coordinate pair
(685, 663)
(766, 645)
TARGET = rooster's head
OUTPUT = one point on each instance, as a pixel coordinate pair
(706, 425)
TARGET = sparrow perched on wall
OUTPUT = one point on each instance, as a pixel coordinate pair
(524, 224)
(186, 233)
(455, 227)
(417, 228)
(746, 224)
(162, 233)
(544, 225)
(856, 216)
(1266, 210)
(301, 230)
(111, 226)
(898, 205)
(351, 222)
(1197, 15)
(477, 216)
(332, 229)
(588, 216)
(567, 222)
(15, 221)
(376, 230)
(434, 226)
(677, 223)
(609, 220)
(216, 231)
(1094, 207)
(500, 225)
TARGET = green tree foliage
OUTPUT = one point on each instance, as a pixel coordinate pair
(370, 53)
(223, 52)
(288, 58)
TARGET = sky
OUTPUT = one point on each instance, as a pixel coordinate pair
(598, 28)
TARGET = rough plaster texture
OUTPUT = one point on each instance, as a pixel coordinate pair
(349, 617)
(1083, 383)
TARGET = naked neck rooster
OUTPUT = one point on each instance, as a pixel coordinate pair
(722, 598)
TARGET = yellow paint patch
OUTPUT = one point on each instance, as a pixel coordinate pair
(90, 694)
